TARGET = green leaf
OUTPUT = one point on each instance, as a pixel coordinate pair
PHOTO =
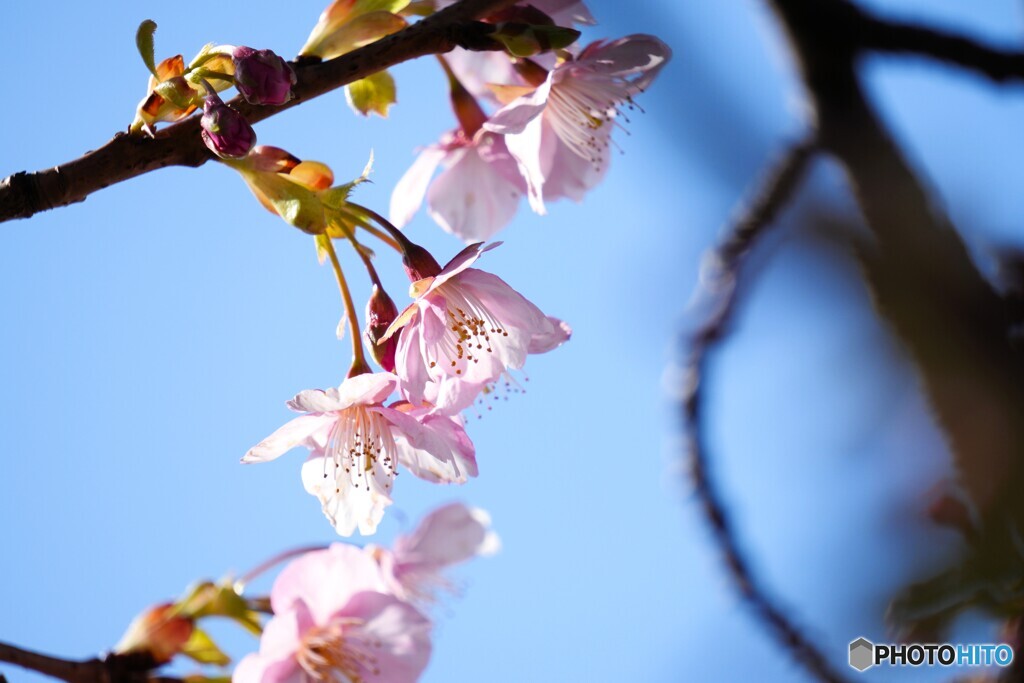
(367, 6)
(375, 93)
(144, 42)
(201, 648)
(356, 33)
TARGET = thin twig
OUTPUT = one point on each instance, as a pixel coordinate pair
(112, 668)
(728, 258)
(127, 156)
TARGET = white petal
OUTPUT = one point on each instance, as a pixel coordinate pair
(298, 432)
(517, 114)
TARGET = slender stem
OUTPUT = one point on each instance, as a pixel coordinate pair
(359, 364)
(403, 242)
(272, 562)
(367, 261)
(383, 237)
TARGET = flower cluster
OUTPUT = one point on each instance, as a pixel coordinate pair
(356, 614)
(465, 330)
(550, 138)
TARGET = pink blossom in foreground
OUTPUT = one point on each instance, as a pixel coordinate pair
(447, 536)
(465, 329)
(560, 132)
(335, 620)
(476, 194)
(357, 444)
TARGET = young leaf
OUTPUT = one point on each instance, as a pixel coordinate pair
(144, 42)
(375, 93)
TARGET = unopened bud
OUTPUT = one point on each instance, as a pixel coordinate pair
(262, 77)
(418, 262)
(158, 632)
(380, 313)
(225, 131)
(272, 159)
(526, 40)
(532, 72)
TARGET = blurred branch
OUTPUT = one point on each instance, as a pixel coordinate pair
(127, 156)
(112, 668)
(925, 284)
(886, 36)
(721, 287)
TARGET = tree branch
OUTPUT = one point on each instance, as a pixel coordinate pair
(869, 32)
(127, 156)
(113, 668)
(775, 191)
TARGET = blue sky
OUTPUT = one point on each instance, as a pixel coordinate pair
(150, 335)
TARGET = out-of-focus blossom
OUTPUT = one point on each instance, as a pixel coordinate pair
(262, 77)
(357, 444)
(464, 331)
(160, 632)
(335, 620)
(225, 131)
(476, 194)
(560, 132)
(454, 533)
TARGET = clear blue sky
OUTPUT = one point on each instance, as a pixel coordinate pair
(152, 334)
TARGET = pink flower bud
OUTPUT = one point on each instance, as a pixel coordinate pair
(262, 77)
(225, 131)
(159, 632)
(418, 262)
(380, 313)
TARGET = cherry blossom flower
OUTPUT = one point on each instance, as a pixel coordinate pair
(357, 444)
(447, 536)
(473, 198)
(335, 620)
(464, 331)
(559, 133)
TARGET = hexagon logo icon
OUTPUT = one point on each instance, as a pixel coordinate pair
(862, 654)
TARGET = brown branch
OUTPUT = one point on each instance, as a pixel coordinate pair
(727, 260)
(895, 37)
(112, 668)
(127, 156)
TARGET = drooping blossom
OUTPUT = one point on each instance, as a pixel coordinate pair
(262, 77)
(560, 132)
(336, 620)
(476, 194)
(414, 566)
(357, 444)
(466, 329)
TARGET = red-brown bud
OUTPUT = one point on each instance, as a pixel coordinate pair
(380, 313)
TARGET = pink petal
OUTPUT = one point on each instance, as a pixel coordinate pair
(471, 199)
(628, 56)
(325, 581)
(572, 175)
(255, 669)
(545, 341)
(408, 194)
(450, 534)
(317, 401)
(410, 366)
(514, 116)
(367, 389)
(301, 431)
(402, 631)
(283, 634)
